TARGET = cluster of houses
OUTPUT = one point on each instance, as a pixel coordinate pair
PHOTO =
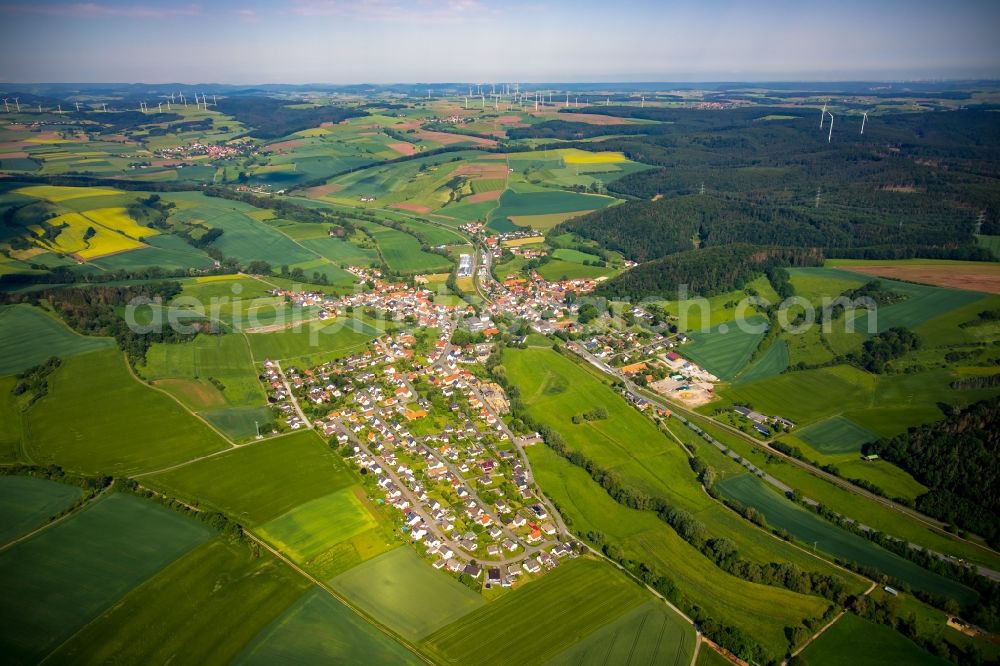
(214, 151)
(760, 421)
(279, 397)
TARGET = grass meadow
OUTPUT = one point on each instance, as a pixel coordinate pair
(725, 349)
(854, 640)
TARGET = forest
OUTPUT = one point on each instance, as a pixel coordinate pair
(271, 118)
(958, 459)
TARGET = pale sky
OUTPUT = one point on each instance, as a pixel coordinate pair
(408, 41)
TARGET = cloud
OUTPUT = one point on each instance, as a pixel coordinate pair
(98, 10)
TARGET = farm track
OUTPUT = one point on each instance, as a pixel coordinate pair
(225, 438)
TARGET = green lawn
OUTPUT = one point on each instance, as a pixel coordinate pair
(725, 349)
(836, 435)
(400, 590)
(811, 529)
(27, 502)
(318, 629)
(649, 635)
(60, 579)
(29, 336)
(97, 418)
(203, 609)
(559, 269)
(260, 481)
(546, 616)
(856, 641)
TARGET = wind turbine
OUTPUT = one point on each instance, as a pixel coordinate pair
(17, 104)
(6, 108)
(567, 101)
(171, 97)
(822, 116)
(864, 119)
(829, 138)
(159, 107)
(642, 101)
(78, 107)
(215, 101)
(482, 98)
(183, 100)
(467, 102)
(104, 107)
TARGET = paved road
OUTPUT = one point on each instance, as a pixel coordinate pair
(291, 396)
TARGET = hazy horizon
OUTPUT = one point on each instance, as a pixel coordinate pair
(397, 41)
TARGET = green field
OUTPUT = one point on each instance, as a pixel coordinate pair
(725, 349)
(649, 635)
(27, 502)
(239, 423)
(565, 606)
(402, 251)
(10, 421)
(260, 481)
(811, 529)
(60, 579)
(97, 418)
(318, 629)
(558, 269)
(329, 534)
(991, 243)
(29, 336)
(759, 610)
(313, 341)
(225, 358)
(856, 641)
(201, 609)
(771, 363)
(546, 202)
(836, 435)
(401, 591)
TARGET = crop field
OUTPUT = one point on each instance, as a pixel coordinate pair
(854, 640)
(329, 534)
(243, 237)
(468, 212)
(434, 235)
(629, 443)
(97, 418)
(808, 395)
(27, 502)
(565, 606)
(29, 336)
(574, 255)
(403, 252)
(836, 435)
(814, 284)
(60, 579)
(223, 357)
(164, 250)
(946, 329)
(60, 194)
(771, 363)
(893, 480)
(171, 613)
(725, 349)
(260, 481)
(811, 529)
(650, 634)
(699, 313)
(341, 251)
(548, 202)
(402, 592)
(318, 629)
(972, 276)
(10, 421)
(314, 340)
(760, 610)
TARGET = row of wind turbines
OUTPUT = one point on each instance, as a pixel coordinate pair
(822, 118)
(201, 102)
